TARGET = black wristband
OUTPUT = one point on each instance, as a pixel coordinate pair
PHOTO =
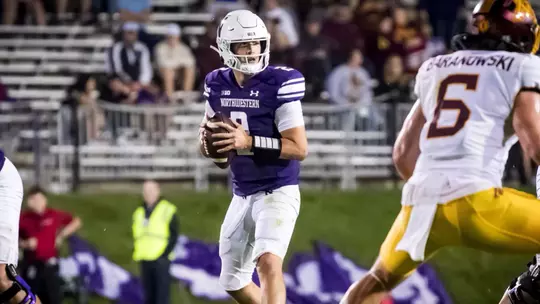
(267, 147)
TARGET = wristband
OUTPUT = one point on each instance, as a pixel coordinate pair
(267, 147)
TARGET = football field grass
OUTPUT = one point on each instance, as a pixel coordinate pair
(355, 223)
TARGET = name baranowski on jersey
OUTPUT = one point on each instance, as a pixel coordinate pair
(503, 62)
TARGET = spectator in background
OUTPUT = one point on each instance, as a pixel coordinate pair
(369, 14)
(85, 9)
(280, 47)
(313, 56)
(407, 33)
(173, 56)
(42, 231)
(10, 9)
(134, 10)
(85, 94)
(128, 66)
(442, 16)
(350, 84)
(283, 20)
(394, 80)
(343, 34)
(206, 58)
(216, 7)
(381, 45)
(434, 45)
(155, 233)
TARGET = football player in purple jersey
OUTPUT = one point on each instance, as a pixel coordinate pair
(267, 144)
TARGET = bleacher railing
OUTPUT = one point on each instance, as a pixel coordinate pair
(346, 144)
(27, 131)
(113, 142)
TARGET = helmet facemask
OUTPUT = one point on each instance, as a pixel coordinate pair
(249, 64)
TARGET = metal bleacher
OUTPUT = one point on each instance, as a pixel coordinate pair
(38, 64)
(335, 156)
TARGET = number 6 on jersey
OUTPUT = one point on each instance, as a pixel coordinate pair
(469, 81)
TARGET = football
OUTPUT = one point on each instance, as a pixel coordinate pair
(206, 146)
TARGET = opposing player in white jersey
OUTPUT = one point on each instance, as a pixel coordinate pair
(472, 106)
(13, 289)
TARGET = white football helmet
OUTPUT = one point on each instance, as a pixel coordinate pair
(243, 26)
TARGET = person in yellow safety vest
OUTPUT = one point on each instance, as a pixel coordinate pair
(155, 232)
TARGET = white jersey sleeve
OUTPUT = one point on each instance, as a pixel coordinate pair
(530, 73)
(289, 115)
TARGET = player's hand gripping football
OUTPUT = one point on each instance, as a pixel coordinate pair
(236, 139)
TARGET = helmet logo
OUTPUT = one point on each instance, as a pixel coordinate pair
(482, 25)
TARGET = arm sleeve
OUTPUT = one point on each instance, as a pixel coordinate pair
(289, 115)
(173, 237)
(289, 111)
(293, 88)
(530, 74)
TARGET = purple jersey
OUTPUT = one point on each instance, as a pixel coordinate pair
(254, 106)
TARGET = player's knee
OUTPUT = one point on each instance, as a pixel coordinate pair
(233, 279)
(232, 282)
(269, 264)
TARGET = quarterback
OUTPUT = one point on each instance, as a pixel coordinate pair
(13, 289)
(473, 105)
(266, 142)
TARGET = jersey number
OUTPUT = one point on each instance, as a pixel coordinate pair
(469, 81)
(241, 118)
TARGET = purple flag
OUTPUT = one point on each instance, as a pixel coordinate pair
(319, 278)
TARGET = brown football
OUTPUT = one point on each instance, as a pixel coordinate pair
(206, 146)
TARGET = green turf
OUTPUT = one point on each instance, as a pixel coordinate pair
(355, 223)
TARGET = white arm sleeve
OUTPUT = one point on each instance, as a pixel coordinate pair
(289, 115)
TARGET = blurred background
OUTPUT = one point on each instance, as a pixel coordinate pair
(89, 126)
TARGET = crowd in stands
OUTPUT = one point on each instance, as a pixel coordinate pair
(351, 52)
(348, 50)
